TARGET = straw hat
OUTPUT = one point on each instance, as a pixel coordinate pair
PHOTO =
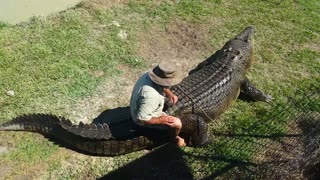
(165, 74)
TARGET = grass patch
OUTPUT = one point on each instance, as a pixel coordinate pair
(306, 58)
(29, 151)
(2, 25)
(58, 57)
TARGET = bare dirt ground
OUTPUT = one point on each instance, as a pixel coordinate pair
(181, 41)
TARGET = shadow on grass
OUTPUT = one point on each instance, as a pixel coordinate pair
(165, 162)
(112, 116)
(119, 121)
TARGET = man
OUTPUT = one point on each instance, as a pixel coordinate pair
(147, 100)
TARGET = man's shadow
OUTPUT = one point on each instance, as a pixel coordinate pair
(119, 121)
(164, 162)
(112, 116)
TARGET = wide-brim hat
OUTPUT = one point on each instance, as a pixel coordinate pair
(165, 74)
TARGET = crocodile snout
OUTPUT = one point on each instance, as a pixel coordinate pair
(246, 35)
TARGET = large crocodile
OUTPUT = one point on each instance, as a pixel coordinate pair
(203, 96)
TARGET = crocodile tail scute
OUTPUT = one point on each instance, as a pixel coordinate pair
(116, 147)
(92, 131)
(41, 123)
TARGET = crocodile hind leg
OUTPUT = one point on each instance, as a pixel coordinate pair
(250, 90)
(197, 128)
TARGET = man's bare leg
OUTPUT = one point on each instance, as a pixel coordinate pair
(174, 133)
(175, 127)
(180, 141)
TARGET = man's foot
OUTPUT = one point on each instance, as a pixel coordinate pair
(180, 141)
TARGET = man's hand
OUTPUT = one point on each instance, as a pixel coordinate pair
(172, 97)
(168, 120)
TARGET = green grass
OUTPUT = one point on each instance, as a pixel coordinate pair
(51, 62)
(44, 60)
(29, 151)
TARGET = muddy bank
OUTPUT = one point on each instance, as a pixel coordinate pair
(16, 11)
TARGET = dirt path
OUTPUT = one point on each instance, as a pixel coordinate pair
(182, 41)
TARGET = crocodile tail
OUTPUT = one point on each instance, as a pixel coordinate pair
(107, 147)
(86, 138)
(41, 123)
(92, 131)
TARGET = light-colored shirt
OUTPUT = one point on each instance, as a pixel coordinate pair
(146, 101)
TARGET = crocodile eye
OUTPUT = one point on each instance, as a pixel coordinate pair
(238, 55)
(234, 57)
(228, 49)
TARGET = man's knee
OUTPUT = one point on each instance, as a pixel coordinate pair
(177, 123)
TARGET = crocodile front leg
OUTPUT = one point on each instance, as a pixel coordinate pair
(195, 126)
(250, 90)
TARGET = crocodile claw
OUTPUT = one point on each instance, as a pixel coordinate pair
(268, 98)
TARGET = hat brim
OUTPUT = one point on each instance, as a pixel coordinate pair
(165, 81)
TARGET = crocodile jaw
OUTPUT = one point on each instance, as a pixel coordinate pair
(244, 44)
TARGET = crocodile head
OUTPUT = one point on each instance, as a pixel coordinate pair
(240, 49)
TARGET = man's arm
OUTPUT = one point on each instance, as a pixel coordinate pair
(149, 103)
(173, 98)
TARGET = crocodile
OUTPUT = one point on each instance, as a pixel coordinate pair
(204, 94)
